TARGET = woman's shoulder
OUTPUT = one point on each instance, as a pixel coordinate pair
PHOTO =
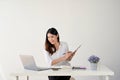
(63, 43)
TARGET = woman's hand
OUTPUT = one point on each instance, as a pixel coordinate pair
(73, 53)
(68, 56)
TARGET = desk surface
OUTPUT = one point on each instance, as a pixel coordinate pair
(101, 71)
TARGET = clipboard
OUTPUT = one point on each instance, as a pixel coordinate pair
(76, 49)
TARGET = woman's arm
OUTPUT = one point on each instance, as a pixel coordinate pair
(55, 61)
(63, 58)
(69, 59)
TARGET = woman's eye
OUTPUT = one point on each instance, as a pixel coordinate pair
(52, 36)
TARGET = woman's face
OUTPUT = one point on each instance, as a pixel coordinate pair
(52, 38)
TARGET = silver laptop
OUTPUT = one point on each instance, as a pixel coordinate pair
(29, 63)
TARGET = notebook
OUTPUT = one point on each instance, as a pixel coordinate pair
(29, 63)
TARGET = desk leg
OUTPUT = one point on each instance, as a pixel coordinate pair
(27, 77)
(106, 77)
(17, 77)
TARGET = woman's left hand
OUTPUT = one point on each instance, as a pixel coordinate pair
(72, 54)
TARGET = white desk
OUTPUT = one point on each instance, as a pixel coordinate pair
(102, 71)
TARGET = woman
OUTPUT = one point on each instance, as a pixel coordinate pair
(56, 52)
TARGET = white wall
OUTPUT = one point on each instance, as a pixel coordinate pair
(94, 23)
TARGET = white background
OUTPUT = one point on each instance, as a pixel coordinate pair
(93, 23)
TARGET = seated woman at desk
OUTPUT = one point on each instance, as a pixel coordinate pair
(56, 52)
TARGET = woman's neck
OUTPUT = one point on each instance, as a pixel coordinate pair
(57, 45)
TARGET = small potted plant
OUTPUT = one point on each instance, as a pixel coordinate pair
(93, 61)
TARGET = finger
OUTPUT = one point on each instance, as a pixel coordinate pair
(69, 51)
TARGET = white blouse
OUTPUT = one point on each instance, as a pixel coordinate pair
(63, 48)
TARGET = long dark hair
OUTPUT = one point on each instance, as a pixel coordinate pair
(48, 46)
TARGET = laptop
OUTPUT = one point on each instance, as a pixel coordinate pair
(29, 63)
